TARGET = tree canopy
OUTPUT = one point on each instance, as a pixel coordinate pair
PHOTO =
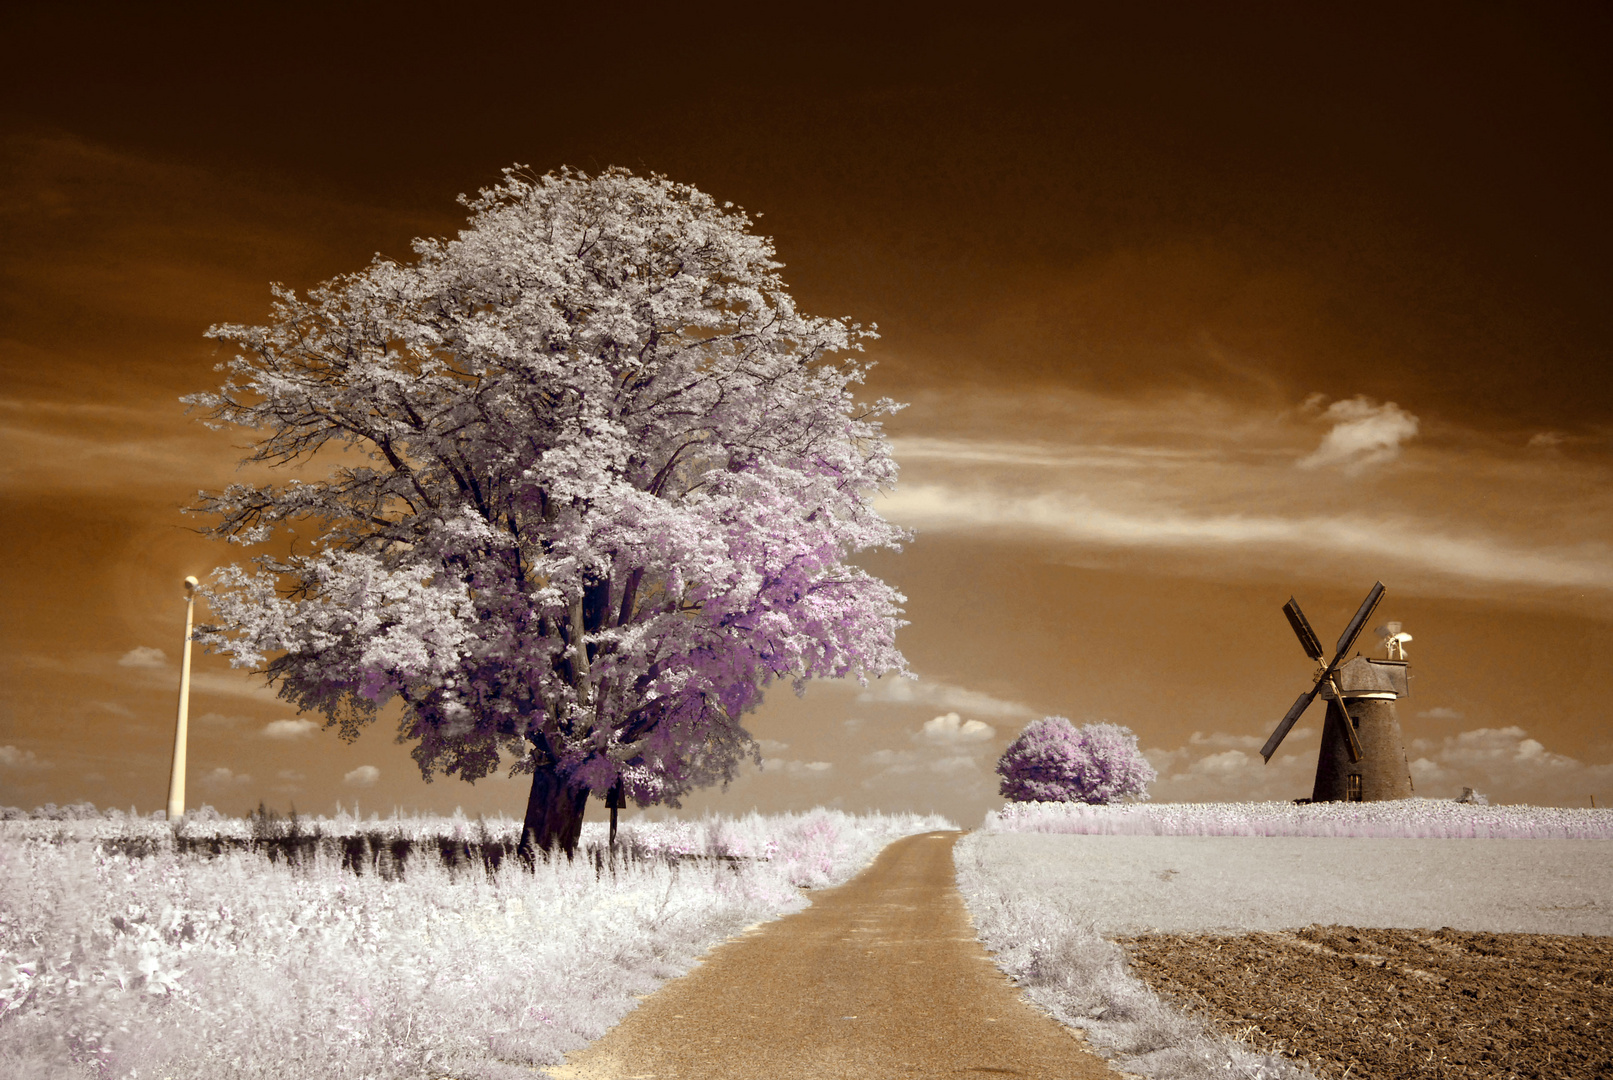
(1052, 760)
(590, 483)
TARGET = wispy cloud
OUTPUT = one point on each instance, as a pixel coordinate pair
(1363, 434)
(232, 684)
(220, 779)
(1043, 455)
(928, 692)
(1226, 487)
(805, 769)
(363, 776)
(22, 761)
(1412, 545)
(144, 656)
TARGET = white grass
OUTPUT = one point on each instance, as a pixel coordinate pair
(1433, 819)
(1049, 885)
(1046, 943)
(181, 967)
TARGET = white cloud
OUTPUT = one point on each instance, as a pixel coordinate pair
(1079, 519)
(771, 747)
(1502, 763)
(363, 776)
(1223, 767)
(796, 768)
(922, 691)
(1243, 742)
(22, 760)
(1548, 439)
(1440, 712)
(1508, 766)
(895, 763)
(224, 778)
(895, 760)
(951, 728)
(143, 656)
(290, 729)
(1363, 434)
(232, 684)
(1223, 764)
(1023, 455)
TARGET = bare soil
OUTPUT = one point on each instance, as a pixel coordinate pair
(1350, 1002)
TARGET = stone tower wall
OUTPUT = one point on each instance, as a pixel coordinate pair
(1383, 769)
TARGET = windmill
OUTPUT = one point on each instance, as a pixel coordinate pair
(1363, 757)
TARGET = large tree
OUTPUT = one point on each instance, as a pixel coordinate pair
(575, 487)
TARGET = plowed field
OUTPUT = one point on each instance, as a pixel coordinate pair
(1399, 1003)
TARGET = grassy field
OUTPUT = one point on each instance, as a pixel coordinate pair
(1059, 893)
(128, 949)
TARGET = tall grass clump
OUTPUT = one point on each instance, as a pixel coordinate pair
(1047, 947)
(1411, 819)
(135, 949)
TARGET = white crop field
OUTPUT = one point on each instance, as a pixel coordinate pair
(166, 965)
(1050, 885)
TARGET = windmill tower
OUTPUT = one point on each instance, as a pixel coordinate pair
(1363, 756)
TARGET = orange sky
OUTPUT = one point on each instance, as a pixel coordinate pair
(1149, 281)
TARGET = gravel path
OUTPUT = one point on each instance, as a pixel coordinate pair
(879, 978)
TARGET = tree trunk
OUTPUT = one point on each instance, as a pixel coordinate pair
(553, 816)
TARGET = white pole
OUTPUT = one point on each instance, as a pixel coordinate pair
(176, 779)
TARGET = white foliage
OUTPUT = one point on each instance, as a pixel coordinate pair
(236, 967)
(1048, 947)
(1399, 818)
(592, 482)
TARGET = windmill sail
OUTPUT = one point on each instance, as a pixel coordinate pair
(1353, 631)
(1301, 703)
(1313, 649)
(1302, 629)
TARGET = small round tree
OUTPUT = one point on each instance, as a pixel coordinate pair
(1052, 760)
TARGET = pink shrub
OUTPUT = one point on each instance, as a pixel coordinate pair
(1052, 760)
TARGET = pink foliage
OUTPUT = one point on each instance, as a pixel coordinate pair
(591, 485)
(1052, 760)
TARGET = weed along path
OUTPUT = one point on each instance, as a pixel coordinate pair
(879, 978)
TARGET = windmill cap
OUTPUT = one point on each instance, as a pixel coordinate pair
(1364, 677)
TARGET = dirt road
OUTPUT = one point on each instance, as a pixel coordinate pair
(880, 978)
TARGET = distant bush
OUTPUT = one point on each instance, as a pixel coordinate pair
(1052, 760)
